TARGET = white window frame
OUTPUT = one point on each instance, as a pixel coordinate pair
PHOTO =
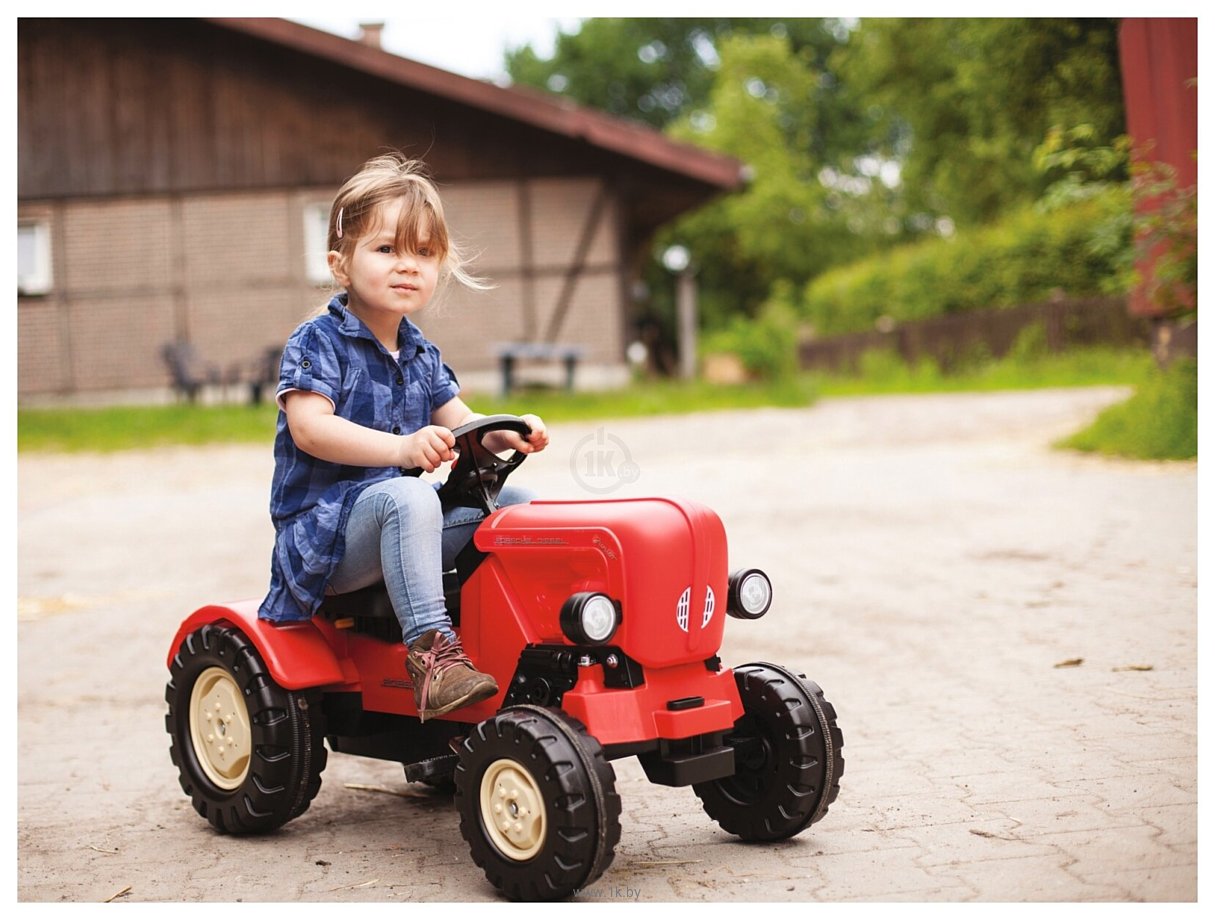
(316, 243)
(34, 274)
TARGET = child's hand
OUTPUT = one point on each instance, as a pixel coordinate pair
(536, 441)
(428, 448)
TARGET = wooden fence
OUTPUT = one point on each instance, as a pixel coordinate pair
(959, 336)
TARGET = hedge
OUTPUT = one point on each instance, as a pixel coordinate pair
(1028, 257)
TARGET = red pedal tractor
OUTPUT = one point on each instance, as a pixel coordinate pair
(601, 621)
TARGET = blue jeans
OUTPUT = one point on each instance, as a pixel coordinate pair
(397, 533)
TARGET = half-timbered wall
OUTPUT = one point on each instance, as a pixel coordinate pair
(226, 271)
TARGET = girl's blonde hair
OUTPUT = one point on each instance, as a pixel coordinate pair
(390, 177)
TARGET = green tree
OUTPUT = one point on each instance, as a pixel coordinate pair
(859, 134)
(964, 103)
(786, 224)
(772, 102)
(758, 89)
(660, 70)
(650, 70)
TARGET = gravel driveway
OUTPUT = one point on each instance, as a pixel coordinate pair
(1008, 632)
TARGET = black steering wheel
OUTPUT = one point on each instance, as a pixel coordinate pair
(477, 475)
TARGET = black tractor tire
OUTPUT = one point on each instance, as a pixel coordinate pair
(538, 803)
(787, 757)
(249, 753)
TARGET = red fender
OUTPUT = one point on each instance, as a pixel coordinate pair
(296, 653)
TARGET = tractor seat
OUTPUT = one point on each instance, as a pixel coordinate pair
(369, 610)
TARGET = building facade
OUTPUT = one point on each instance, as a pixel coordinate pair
(174, 177)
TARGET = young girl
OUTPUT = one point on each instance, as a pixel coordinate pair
(366, 404)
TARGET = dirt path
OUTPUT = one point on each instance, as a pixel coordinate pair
(1009, 634)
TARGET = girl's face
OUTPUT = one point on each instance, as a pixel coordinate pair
(385, 283)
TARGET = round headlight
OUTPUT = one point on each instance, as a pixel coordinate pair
(750, 594)
(589, 618)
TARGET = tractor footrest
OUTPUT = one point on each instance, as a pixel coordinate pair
(688, 761)
(433, 768)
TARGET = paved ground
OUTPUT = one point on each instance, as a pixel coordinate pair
(1009, 634)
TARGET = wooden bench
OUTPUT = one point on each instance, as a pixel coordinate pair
(509, 355)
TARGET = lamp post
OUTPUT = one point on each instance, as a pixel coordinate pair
(678, 261)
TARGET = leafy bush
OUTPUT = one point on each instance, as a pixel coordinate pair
(1166, 234)
(1080, 248)
(767, 344)
(884, 368)
(1160, 422)
(1030, 344)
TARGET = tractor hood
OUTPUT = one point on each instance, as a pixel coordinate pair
(663, 560)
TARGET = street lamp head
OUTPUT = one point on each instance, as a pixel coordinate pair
(676, 259)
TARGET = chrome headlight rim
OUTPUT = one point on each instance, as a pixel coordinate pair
(743, 602)
(590, 618)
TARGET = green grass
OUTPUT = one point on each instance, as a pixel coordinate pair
(127, 427)
(660, 397)
(1160, 422)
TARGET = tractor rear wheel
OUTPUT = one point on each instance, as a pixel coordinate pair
(787, 757)
(248, 752)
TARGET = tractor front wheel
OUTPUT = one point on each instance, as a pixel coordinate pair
(538, 803)
(787, 757)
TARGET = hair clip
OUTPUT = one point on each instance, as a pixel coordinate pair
(339, 222)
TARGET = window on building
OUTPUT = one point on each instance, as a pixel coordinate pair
(33, 257)
(316, 243)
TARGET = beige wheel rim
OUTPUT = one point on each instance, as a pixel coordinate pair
(219, 728)
(512, 810)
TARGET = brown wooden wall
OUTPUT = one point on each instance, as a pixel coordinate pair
(112, 107)
(144, 106)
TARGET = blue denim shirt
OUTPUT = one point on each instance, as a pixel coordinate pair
(337, 356)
